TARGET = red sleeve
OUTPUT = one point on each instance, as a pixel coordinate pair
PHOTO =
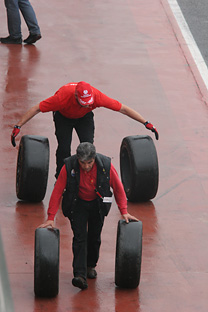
(50, 104)
(57, 101)
(57, 193)
(118, 190)
(102, 100)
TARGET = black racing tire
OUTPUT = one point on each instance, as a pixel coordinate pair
(32, 168)
(46, 263)
(139, 168)
(128, 254)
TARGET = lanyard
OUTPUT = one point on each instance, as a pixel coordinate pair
(98, 194)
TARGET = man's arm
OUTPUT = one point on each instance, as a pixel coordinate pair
(55, 199)
(120, 195)
(27, 116)
(103, 100)
(131, 113)
(136, 116)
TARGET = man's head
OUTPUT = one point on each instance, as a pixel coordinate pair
(86, 153)
(84, 94)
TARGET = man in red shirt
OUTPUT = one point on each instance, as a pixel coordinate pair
(72, 107)
(86, 179)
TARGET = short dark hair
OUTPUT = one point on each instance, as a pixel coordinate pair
(86, 151)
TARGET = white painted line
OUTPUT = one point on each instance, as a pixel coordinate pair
(196, 54)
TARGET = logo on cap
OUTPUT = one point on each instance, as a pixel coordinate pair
(84, 93)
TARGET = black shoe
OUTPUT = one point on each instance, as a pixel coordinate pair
(32, 38)
(91, 273)
(79, 282)
(11, 40)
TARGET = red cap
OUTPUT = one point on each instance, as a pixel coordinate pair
(84, 93)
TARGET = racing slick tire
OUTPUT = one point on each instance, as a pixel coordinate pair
(46, 262)
(139, 168)
(128, 254)
(32, 168)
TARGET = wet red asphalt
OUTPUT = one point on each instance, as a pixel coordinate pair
(132, 51)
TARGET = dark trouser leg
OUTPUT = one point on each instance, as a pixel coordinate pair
(95, 225)
(79, 245)
(63, 132)
(85, 128)
(86, 226)
(13, 18)
(29, 16)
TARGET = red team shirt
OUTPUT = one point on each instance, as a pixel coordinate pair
(88, 181)
(65, 102)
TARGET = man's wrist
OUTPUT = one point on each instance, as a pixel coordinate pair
(51, 217)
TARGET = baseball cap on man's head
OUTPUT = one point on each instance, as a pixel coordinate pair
(84, 93)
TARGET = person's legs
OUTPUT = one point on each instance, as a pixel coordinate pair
(64, 127)
(79, 246)
(29, 16)
(13, 19)
(85, 128)
(63, 132)
(86, 225)
(95, 225)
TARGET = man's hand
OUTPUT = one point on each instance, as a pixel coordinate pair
(15, 132)
(149, 126)
(47, 224)
(128, 217)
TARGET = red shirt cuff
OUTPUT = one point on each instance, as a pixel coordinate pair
(51, 216)
(123, 211)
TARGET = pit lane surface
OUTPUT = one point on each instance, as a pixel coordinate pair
(132, 51)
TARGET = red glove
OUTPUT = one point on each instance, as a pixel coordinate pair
(15, 132)
(149, 126)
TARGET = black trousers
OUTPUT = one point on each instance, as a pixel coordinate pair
(86, 225)
(84, 128)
